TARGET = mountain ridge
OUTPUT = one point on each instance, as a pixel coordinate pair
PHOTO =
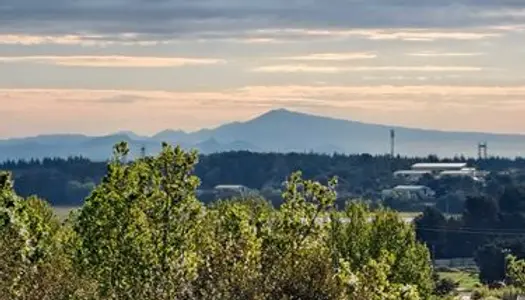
(278, 130)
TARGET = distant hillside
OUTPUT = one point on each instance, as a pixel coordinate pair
(275, 131)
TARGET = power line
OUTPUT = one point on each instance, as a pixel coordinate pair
(466, 231)
(477, 229)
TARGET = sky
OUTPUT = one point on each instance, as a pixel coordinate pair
(100, 66)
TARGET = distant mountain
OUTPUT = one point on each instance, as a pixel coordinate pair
(171, 136)
(131, 135)
(275, 131)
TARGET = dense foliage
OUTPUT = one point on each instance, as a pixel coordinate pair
(68, 182)
(488, 230)
(142, 234)
(515, 270)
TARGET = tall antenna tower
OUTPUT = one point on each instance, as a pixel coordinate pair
(143, 151)
(483, 150)
(392, 143)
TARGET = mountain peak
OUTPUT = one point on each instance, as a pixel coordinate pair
(129, 134)
(170, 135)
(279, 113)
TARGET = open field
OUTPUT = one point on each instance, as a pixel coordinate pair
(411, 215)
(63, 211)
(467, 280)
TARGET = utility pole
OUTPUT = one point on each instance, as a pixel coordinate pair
(392, 143)
(434, 255)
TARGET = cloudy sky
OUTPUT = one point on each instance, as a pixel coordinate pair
(98, 66)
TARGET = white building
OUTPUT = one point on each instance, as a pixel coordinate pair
(439, 167)
(439, 170)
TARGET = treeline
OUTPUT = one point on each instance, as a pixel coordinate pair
(488, 229)
(142, 234)
(68, 181)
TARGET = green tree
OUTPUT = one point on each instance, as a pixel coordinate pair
(516, 272)
(431, 229)
(33, 262)
(384, 241)
(137, 230)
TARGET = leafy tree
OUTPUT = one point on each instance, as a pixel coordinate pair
(385, 240)
(431, 228)
(137, 229)
(513, 199)
(516, 272)
(491, 258)
(33, 263)
(445, 287)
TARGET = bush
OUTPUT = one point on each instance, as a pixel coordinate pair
(446, 286)
(507, 293)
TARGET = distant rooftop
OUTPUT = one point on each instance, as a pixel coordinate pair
(412, 172)
(229, 187)
(457, 173)
(410, 187)
(439, 166)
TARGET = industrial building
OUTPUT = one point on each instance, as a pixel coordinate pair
(439, 170)
(438, 167)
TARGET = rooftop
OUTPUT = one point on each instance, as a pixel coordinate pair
(229, 187)
(454, 172)
(415, 172)
(439, 166)
(410, 187)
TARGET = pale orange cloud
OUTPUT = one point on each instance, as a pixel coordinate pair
(298, 69)
(340, 69)
(332, 56)
(262, 36)
(403, 34)
(33, 111)
(114, 61)
(445, 54)
(68, 39)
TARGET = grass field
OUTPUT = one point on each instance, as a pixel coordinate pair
(467, 281)
(409, 214)
(62, 212)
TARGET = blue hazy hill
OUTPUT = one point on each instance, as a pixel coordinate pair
(275, 131)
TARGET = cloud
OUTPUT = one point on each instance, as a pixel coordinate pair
(504, 13)
(112, 61)
(96, 22)
(116, 99)
(250, 95)
(298, 69)
(256, 35)
(332, 56)
(84, 110)
(401, 34)
(384, 90)
(446, 54)
(337, 69)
